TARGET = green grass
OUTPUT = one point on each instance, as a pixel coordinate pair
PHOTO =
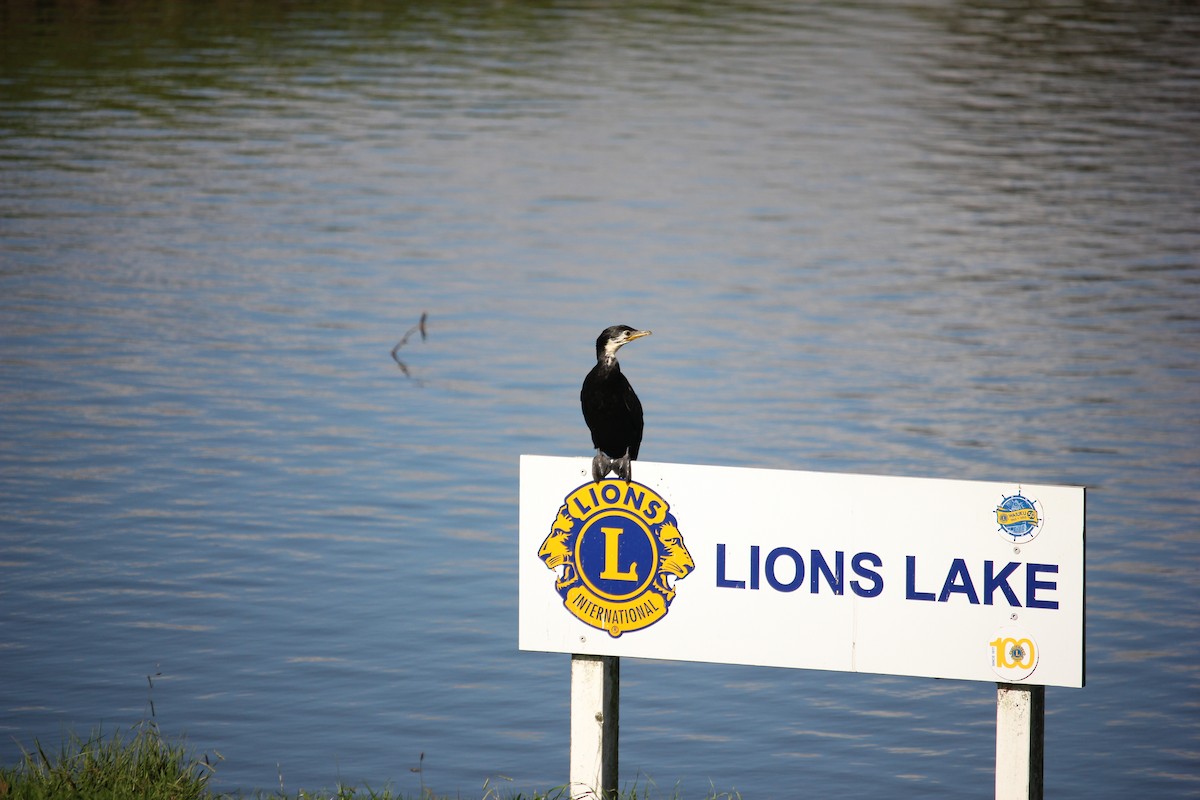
(137, 766)
(142, 765)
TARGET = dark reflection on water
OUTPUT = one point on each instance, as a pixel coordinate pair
(937, 239)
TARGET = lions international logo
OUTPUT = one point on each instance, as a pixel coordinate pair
(617, 551)
(1018, 518)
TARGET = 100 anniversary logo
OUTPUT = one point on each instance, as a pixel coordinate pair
(617, 551)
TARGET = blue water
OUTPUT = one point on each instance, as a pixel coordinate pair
(928, 239)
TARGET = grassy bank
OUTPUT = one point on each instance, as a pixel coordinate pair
(142, 765)
(138, 765)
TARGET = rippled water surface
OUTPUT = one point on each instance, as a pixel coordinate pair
(929, 238)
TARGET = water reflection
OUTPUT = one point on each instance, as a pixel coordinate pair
(933, 239)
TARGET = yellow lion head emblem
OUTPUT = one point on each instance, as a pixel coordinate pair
(675, 562)
(556, 549)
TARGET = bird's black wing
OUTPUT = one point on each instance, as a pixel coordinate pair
(633, 407)
(612, 412)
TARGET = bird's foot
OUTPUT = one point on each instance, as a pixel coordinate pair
(601, 465)
(623, 468)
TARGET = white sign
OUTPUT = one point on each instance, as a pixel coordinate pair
(854, 573)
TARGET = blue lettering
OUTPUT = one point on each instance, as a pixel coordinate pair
(755, 572)
(722, 583)
(798, 579)
(910, 581)
(652, 509)
(634, 498)
(1032, 584)
(821, 567)
(958, 581)
(874, 577)
(993, 581)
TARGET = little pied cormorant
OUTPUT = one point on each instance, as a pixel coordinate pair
(611, 409)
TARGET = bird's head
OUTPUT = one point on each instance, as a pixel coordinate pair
(612, 339)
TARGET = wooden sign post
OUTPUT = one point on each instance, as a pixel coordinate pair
(1020, 741)
(857, 573)
(595, 719)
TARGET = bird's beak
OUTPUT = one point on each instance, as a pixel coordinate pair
(636, 335)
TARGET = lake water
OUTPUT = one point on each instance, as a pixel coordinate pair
(938, 239)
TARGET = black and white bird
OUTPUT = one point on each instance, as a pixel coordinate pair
(611, 409)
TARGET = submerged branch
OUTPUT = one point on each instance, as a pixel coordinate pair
(420, 326)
